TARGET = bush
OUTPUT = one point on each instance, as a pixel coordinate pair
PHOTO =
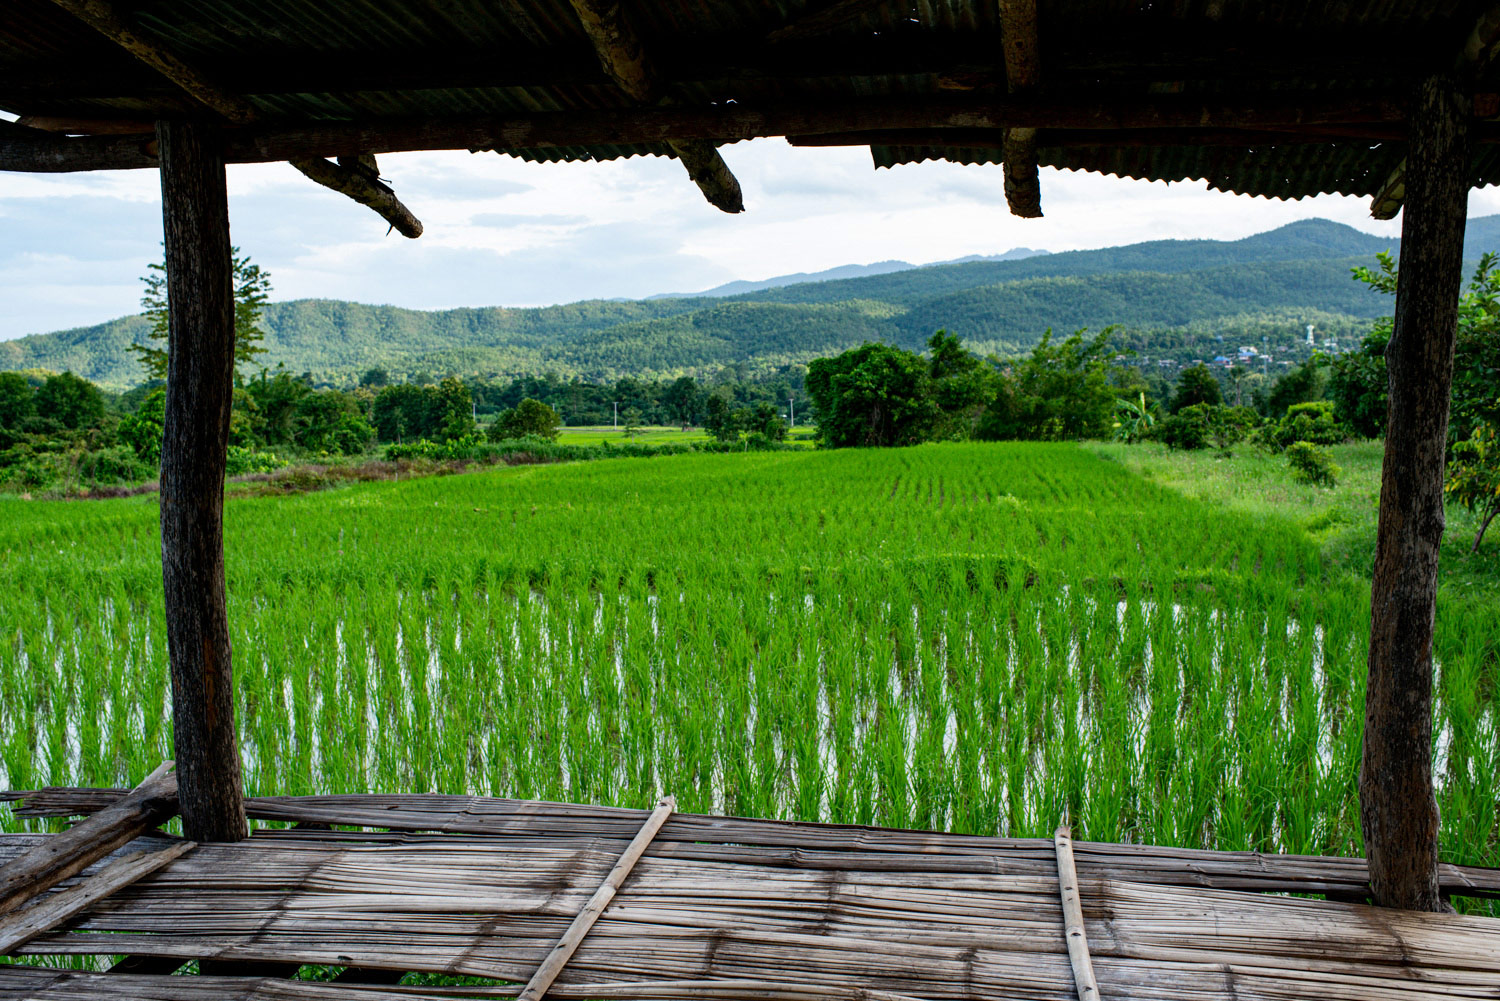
(114, 465)
(1311, 464)
(1203, 424)
(243, 460)
(1313, 422)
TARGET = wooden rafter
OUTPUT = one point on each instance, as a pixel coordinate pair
(625, 60)
(1023, 188)
(104, 18)
(722, 123)
(1478, 51)
(360, 180)
(822, 18)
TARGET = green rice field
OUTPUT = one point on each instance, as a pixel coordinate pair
(978, 638)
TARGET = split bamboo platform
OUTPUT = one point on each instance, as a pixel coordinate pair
(574, 901)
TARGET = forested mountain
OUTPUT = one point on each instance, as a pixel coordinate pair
(1273, 282)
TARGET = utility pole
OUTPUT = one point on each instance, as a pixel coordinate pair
(791, 404)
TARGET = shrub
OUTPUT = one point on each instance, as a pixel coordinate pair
(1311, 464)
(1313, 422)
(243, 460)
(114, 465)
(1203, 424)
(1474, 477)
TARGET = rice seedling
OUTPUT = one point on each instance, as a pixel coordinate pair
(979, 638)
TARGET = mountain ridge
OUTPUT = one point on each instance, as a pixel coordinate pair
(1289, 275)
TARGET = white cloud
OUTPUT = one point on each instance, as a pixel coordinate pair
(500, 231)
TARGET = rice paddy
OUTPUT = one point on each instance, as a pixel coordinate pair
(978, 638)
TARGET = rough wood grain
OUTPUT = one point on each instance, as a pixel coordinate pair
(200, 389)
(364, 189)
(1018, 25)
(1398, 809)
(18, 927)
(60, 856)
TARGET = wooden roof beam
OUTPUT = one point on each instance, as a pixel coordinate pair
(1474, 56)
(625, 60)
(1023, 186)
(822, 18)
(270, 142)
(105, 19)
(358, 177)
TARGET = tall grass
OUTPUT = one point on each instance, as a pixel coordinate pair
(974, 638)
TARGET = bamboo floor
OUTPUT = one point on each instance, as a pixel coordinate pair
(715, 908)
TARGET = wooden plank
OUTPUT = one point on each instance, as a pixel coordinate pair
(363, 186)
(1078, 943)
(69, 853)
(542, 979)
(18, 927)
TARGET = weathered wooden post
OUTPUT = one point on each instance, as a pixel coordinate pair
(1398, 811)
(200, 389)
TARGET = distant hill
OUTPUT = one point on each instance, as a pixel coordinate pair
(1269, 283)
(844, 271)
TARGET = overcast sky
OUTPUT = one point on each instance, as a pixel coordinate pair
(503, 232)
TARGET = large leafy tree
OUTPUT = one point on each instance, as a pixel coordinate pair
(962, 385)
(1061, 391)
(1196, 385)
(17, 400)
(529, 418)
(70, 401)
(252, 290)
(1358, 383)
(874, 394)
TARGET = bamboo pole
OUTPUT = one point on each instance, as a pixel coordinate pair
(545, 974)
(1078, 943)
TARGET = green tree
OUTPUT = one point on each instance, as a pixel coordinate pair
(632, 418)
(766, 421)
(1305, 383)
(17, 400)
(1196, 385)
(1359, 387)
(252, 290)
(142, 430)
(375, 378)
(872, 395)
(1474, 477)
(456, 405)
(1135, 418)
(720, 420)
(70, 401)
(962, 384)
(530, 417)
(1059, 392)
(684, 400)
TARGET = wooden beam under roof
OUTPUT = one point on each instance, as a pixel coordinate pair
(625, 60)
(1023, 186)
(105, 19)
(269, 142)
(822, 18)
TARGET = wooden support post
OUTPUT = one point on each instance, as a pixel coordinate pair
(1398, 811)
(1023, 187)
(200, 388)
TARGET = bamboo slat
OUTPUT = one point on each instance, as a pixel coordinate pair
(1078, 943)
(804, 845)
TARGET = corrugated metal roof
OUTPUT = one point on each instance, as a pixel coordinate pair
(367, 60)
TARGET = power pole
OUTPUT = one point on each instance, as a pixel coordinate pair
(791, 404)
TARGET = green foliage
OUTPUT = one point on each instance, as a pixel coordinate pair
(1135, 419)
(142, 430)
(17, 400)
(1202, 425)
(529, 418)
(1311, 464)
(1196, 385)
(69, 401)
(1313, 422)
(252, 292)
(1058, 392)
(962, 387)
(1474, 477)
(872, 395)
(1358, 384)
(241, 461)
(1304, 384)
